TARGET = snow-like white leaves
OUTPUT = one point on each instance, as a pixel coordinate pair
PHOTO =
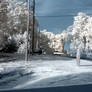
(55, 41)
(21, 40)
(82, 27)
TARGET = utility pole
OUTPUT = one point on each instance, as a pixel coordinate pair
(33, 31)
(28, 25)
(38, 37)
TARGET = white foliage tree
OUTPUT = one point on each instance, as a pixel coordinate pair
(80, 33)
(13, 19)
(54, 42)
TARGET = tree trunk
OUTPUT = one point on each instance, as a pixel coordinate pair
(27, 37)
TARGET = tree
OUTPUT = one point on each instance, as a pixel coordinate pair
(3, 15)
(13, 19)
(80, 32)
(53, 43)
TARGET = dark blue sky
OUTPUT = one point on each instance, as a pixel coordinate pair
(62, 10)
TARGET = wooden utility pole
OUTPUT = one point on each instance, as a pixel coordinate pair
(38, 37)
(28, 25)
(33, 31)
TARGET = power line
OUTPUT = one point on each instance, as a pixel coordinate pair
(70, 15)
(57, 16)
(81, 8)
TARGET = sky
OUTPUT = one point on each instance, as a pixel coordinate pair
(57, 15)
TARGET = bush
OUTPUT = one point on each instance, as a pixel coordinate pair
(10, 47)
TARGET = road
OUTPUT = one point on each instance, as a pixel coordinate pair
(51, 71)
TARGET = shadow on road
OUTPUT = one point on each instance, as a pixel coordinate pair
(85, 65)
(79, 88)
(50, 57)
